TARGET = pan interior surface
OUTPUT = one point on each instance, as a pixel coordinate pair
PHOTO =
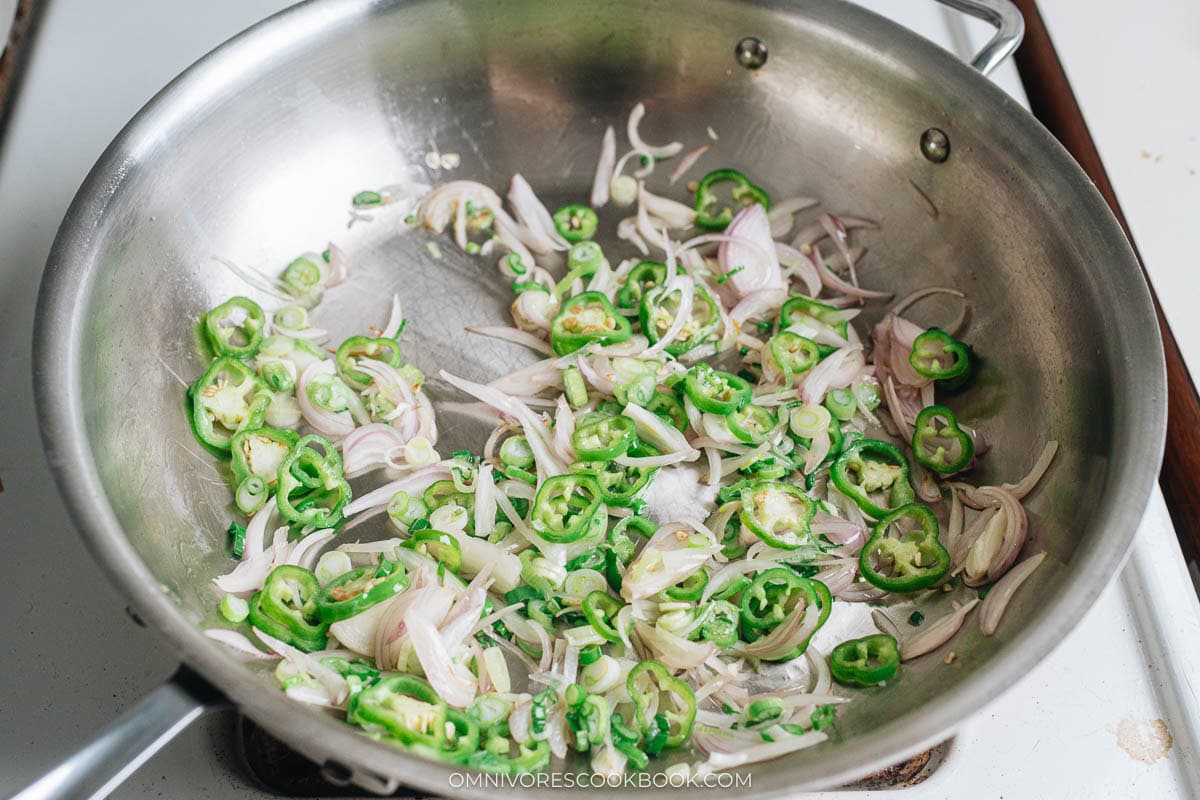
(252, 158)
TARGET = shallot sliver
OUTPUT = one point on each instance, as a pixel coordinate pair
(1001, 594)
(934, 635)
(604, 168)
(635, 137)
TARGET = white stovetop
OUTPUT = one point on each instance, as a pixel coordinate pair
(72, 661)
(8, 10)
(1133, 68)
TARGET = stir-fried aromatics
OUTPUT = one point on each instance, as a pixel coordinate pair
(708, 464)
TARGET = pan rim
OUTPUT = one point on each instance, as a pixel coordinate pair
(66, 285)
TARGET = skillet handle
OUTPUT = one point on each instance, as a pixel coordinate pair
(1005, 18)
(115, 753)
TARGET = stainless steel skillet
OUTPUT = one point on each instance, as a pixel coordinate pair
(252, 154)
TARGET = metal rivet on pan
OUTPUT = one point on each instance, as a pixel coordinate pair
(336, 773)
(935, 145)
(751, 52)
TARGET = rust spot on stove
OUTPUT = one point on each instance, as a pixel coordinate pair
(1145, 740)
(906, 773)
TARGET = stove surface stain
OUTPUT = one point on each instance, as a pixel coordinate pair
(1145, 740)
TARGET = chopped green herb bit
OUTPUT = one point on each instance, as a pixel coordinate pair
(367, 198)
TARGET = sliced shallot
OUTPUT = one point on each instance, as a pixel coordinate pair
(999, 596)
(635, 137)
(937, 633)
(604, 168)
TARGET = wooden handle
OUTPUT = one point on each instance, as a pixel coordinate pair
(1053, 102)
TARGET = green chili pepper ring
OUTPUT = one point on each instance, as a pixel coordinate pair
(676, 702)
(286, 608)
(259, 452)
(908, 559)
(360, 347)
(778, 513)
(406, 708)
(772, 596)
(359, 589)
(576, 223)
(866, 470)
(710, 215)
(235, 328)
(938, 355)
(585, 318)
(311, 487)
(604, 439)
(564, 508)
(640, 280)
(868, 661)
(228, 398)
(939, 443)
(601, 610)
(659, 308)
(716, 392)
(793, 354)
